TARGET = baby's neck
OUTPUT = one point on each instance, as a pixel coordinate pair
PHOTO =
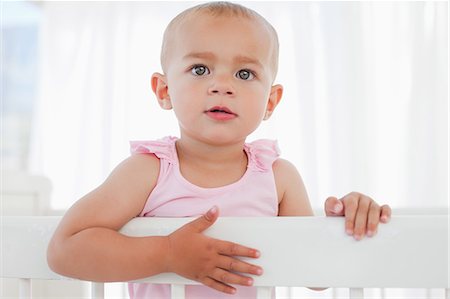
(211, 166)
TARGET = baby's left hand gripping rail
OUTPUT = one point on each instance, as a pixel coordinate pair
(408, 252)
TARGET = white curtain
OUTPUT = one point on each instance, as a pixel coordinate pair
(365, 105)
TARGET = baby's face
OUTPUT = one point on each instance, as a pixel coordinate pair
(219, 76)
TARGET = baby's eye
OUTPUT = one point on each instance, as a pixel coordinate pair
(245, 75)
(199, 70)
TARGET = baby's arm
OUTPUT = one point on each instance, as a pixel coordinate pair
(292, 196)
(88, 246)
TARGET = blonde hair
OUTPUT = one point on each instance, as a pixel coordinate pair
(220, 8)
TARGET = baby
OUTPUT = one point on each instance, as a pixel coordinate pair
(219, 64)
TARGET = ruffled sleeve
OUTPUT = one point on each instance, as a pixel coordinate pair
(262, 153)
(163, 148)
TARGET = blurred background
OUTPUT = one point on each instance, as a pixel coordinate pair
(365, 106)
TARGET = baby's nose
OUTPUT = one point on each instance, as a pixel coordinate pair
(221, 87)
(221, 91)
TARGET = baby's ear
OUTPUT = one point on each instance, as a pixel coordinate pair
(161, 90)
(276, 93)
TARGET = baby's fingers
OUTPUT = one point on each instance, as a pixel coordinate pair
(360, 225)
(227, 277)
(217, 285)
(233, 249)
(385, 213)
(373, 219)
(235, 265)
(226, 274)
(377, 214)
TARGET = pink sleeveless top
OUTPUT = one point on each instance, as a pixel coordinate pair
(253, 195)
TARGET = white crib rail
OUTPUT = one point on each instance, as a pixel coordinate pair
(409, 252)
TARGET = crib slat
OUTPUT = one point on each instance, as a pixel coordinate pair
(178, 291)
(356, 293)
(97, 290)
(264, 292)
(290, 292)
(333, 293)
(447, 293)
(25, 288)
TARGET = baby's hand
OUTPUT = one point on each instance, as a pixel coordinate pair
(209, 261)
(362, 214)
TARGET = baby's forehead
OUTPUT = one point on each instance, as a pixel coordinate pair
(192, 18)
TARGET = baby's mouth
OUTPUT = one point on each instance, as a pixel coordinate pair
(220, 113)
(219, 109)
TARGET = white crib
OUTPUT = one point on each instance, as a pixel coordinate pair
(409, 252)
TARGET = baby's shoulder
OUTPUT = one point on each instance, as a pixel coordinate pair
(148, 159)
(137, 170)
(128, 186)
(145, 164)
(283, 167)
(292, 196)
(285, 174)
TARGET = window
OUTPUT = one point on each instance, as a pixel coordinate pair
(20, 30)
